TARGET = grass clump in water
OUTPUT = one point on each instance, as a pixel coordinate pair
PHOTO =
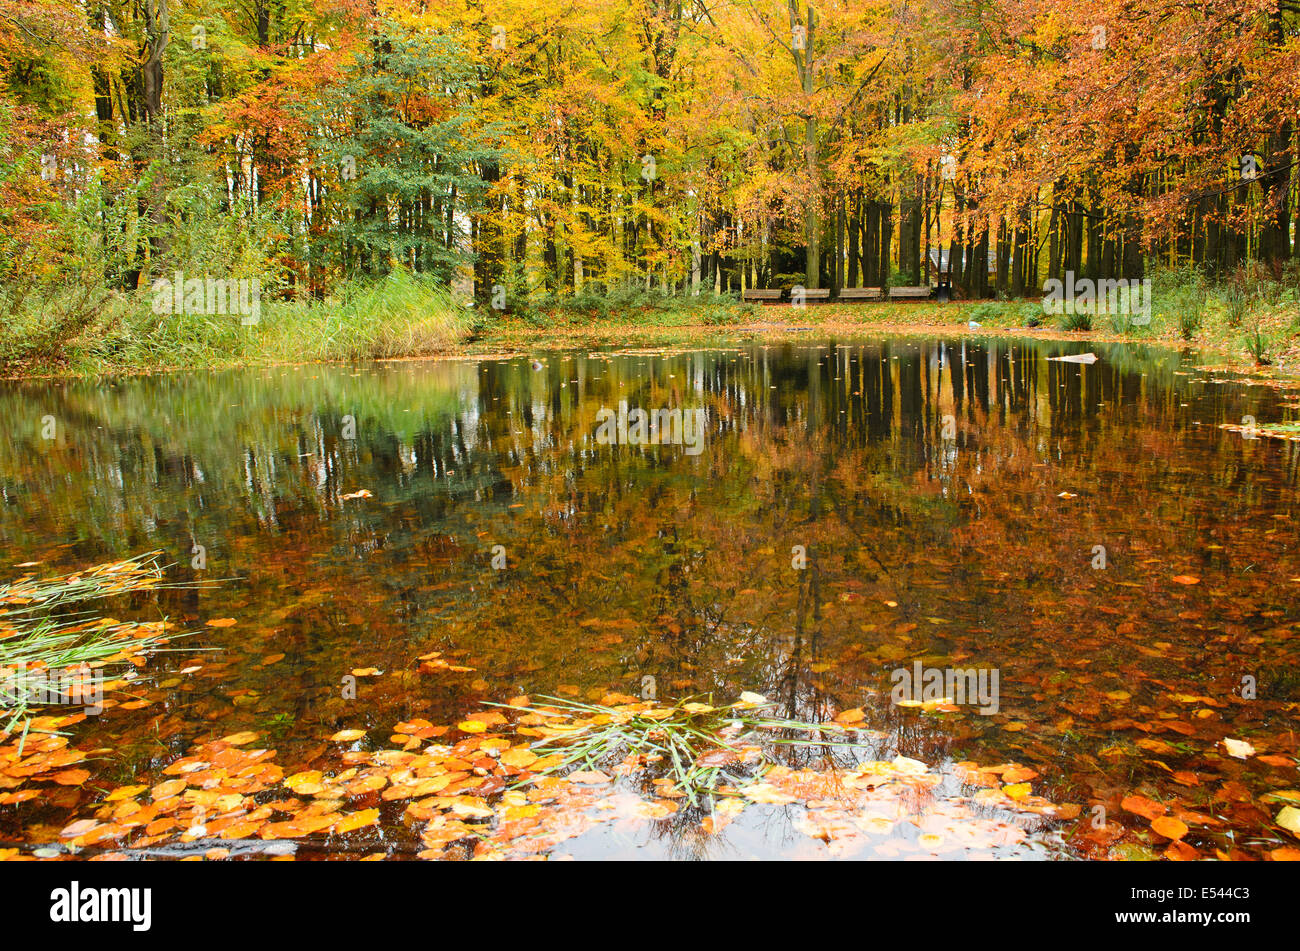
(704, 750)
(48, 652)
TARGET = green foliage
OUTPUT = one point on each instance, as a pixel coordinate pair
(1182, 295)
(1004, 313)
(1190, 313)
(1076, 321)
(1259, 345)
(403, 314)
(1236, 305)
(400, 315)
(402, 170)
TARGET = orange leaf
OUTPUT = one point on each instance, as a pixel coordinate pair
(1144, 807)
(1169, 827)
(519, 758)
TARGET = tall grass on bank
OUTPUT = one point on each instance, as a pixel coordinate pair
(1259, 345)
(402, 314)
(43, 633)
(1254, 313)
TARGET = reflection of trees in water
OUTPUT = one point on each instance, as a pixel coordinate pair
(628, 560)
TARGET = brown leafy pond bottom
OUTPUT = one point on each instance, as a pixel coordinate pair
(987, 605)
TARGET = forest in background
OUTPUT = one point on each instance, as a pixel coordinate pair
(519, 151)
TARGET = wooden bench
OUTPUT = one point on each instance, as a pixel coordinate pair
(909, 293)
(812, 294)
(762, 296)
(860, 293)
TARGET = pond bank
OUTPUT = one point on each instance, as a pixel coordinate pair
(659, 328)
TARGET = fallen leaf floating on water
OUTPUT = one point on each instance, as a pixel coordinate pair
(1169, 827)
(1239, 748)
(1076, 358)
(495, 796)
(357, 820)
(240, 739)
(1142, 806)
(359, 494)
(431, 663)
(1186, 579)
(1289, 819)
(589, 776)
(222, 622)
(766, 793)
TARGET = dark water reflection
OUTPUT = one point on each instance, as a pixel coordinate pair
(949, 495)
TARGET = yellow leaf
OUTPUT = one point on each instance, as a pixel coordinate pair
(520, 812)
(306, 783)
(765, 793)
(1289, 819)
(366, 817)
(347, 736)
(125, 792)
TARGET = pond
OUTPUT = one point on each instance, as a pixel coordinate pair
(404, 543)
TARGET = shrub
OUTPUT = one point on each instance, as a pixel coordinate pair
(1076, 321)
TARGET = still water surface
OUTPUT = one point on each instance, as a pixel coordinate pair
(850, 508)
